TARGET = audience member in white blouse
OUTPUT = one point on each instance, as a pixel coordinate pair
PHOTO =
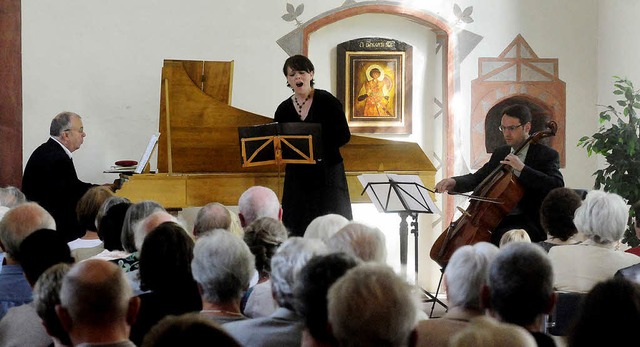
(602, 218)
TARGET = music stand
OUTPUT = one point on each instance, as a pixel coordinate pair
(407, 196)
(280, 143)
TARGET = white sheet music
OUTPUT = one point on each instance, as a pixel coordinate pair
(147, 153)
(410, 189)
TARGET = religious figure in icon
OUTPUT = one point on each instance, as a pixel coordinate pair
(375, 93)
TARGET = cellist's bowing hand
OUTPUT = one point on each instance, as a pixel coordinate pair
(513, 161)
(445, 185)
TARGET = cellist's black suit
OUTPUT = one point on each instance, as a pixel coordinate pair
(540, 175)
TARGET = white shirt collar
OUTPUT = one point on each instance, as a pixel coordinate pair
(63, 147)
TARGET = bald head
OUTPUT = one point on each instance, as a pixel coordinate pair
(256, 202)
(19, 222)
(212, 216)
(149, 223)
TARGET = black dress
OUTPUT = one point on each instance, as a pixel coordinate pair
(315, 190)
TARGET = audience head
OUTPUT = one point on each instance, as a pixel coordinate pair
(557, 210)
(520, 284)
(165, 259)
(222, 265)
(213, 215)
(611, 306)
(190, 329)
(263, 237)
(290, 257)
(514, 235)
(466, 273)
(95, 297)
(362, 241)
(256, 202)
(485, 331)
(371, 306)
(323, 227)
(11, 197)
(106, 205)
(110, 226)
(602, 217)
(67, 128)
(89, 205)
(46, 295)
(18, 223)
(310, 292)
(149, 223)
(40, 250)
(136, 213)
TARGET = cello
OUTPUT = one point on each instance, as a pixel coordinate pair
(492, 200)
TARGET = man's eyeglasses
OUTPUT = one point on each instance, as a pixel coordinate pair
(510, 127)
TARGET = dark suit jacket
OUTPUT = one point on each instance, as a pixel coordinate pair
(540, 175)
(50, 179)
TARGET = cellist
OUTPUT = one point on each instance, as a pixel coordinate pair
(537, 167)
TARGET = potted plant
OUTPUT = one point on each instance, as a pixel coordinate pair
(618, 141)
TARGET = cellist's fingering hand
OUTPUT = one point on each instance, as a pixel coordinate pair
(445, 185)
(513, 161)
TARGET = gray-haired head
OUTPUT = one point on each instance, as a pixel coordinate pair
(360, 240)
(11, 197)
(371, 306)
(602, 217)
(222, 265)
(19, 222)
(256, 202)
(291, 256)
(46, 295)
(61, 122)
(213, 215)
(95, 293)
(323, 227)
(136, 213)
(466, 273)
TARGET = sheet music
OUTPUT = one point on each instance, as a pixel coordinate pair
(147, 153)
(410, 189)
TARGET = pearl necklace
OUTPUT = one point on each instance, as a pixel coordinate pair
(300, 106)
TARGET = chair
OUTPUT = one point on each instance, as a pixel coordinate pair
(561, 319)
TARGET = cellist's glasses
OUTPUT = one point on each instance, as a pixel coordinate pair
(509, 127)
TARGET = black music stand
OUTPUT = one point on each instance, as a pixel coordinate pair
(407, 196)
(280, 143)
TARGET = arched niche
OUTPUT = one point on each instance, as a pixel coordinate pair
(456, 44)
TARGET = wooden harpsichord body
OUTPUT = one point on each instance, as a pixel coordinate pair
(199, 158)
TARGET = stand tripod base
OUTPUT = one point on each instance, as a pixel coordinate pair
(433, 299)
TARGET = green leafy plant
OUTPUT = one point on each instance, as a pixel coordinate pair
(618, 141)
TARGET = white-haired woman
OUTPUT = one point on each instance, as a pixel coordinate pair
(602, 218)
